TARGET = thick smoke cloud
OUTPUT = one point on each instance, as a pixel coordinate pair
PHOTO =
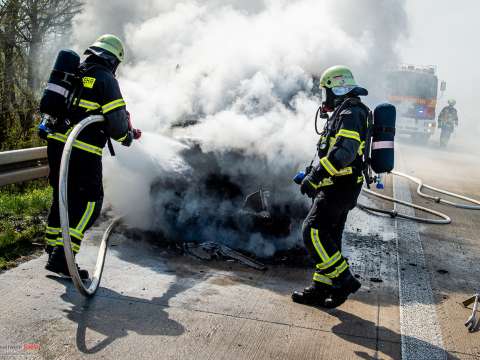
(239, 73)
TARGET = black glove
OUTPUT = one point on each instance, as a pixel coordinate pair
(128, 140)
(309, 186)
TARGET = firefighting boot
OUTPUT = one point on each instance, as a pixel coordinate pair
(49, 249)
(57, 263)
(314, 295)
(341, 289)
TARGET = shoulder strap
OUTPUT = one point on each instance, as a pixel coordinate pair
(367, 171)
(77, 93)
(368, 137)
(349, 102)
(83, 72)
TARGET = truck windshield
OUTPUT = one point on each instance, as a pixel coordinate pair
(412, 84)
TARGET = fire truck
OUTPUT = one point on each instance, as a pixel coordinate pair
(413, 90)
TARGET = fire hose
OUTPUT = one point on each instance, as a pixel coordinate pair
(94, 282)
(97, 274)
(473, 322)
(445, 219)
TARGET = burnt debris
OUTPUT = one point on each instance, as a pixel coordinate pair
(224, 199)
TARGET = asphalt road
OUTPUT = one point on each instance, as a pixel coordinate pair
(452, 252)
(155, 305)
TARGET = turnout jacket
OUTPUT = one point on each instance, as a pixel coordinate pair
(341, 146)
(100, 94)
(448, 117)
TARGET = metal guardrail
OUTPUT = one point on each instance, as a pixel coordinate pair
(23, 165)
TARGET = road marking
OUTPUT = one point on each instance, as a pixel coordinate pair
(419, 327)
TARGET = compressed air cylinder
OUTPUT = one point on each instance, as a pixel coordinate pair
(60, 85)
(383, 136)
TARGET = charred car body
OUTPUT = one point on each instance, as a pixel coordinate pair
(222, 198)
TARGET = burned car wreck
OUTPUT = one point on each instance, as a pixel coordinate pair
(231, 195)
(224, 198)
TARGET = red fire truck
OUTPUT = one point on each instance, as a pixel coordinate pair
(413, 90)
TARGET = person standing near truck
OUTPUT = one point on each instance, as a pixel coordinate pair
(334, 185)
(447, 121)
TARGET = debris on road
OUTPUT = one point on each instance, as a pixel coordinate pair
(473, 321)
(210, 250)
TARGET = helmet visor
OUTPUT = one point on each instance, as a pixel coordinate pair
(342, 90)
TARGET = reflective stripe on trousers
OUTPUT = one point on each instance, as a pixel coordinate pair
(54, 235)
(327, 270)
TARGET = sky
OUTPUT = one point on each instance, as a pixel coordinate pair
(445, 33)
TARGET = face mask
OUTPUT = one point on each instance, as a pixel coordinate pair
(324, 94)
(328, 101)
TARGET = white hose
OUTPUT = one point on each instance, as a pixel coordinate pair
(441, 191)
(444, 219)
(63, 205)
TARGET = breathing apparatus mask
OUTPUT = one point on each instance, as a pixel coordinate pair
(328, 104)
(331, 98)
(330, 101)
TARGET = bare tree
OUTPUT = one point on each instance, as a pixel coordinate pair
(9, 16)
(26, 27)
(40, 20)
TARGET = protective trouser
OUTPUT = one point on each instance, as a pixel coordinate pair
(445, 135)
(82, 215)
(323, 229)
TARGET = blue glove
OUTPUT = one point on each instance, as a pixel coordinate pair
(43, 130)
(309, 187)
(299, 177)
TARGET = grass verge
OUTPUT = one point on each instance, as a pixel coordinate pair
(23, 213)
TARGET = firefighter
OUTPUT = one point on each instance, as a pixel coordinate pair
(447, 121)
(100, 94)
(334, 185)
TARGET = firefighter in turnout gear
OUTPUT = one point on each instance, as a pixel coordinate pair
(100, 94)
(447, 121)
(334, 185)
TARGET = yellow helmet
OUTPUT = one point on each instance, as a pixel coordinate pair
(339, 78)
(112, 44)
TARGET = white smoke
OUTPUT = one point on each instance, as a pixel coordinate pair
(241, 73)
(447, 42)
